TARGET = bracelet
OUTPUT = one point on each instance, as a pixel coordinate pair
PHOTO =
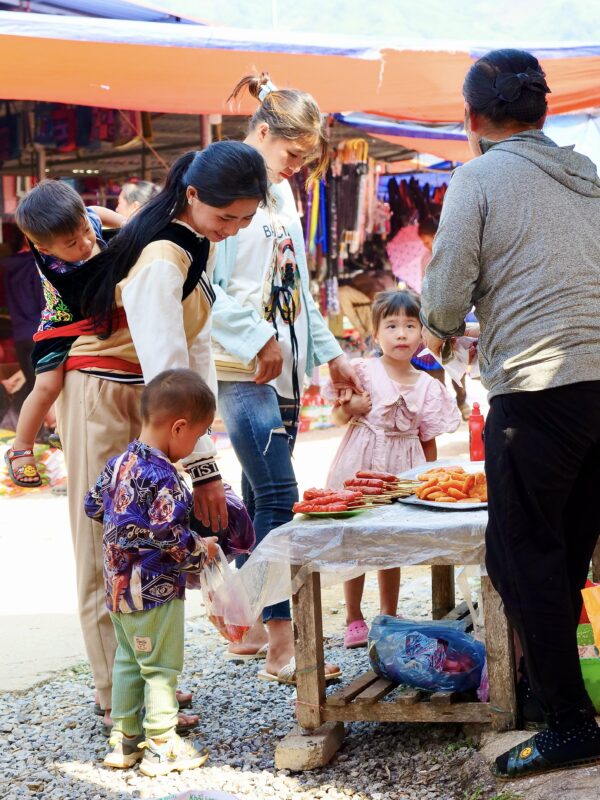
(203, 472)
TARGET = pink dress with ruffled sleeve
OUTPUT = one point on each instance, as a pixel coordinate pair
(388, 438)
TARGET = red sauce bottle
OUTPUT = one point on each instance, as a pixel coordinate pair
(476, 425)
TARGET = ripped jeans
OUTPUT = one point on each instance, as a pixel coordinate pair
(259, 424)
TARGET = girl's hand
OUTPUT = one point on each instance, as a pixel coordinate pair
(344, 379)
(359, 405)
(212, 546)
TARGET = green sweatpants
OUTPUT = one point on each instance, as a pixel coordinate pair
(148, 661)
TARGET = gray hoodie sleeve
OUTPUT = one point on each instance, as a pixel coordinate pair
(453, 271)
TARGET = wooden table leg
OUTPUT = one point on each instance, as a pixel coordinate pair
(442, 590)
(311, 744)
(310, 659)
(596, 563)
(500, 659)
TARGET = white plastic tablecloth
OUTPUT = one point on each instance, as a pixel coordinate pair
(396, 535)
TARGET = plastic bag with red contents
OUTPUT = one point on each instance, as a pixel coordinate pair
(227, 606)
(431, 655)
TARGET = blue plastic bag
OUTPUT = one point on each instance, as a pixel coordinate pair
(426, 655)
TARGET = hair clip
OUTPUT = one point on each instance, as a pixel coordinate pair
(266, 89)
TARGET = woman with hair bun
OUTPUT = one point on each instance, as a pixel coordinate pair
(518, 239)
(268, 334)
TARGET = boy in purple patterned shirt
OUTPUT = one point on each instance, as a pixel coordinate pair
(148, 548)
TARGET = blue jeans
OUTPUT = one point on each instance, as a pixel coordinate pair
(259, 424)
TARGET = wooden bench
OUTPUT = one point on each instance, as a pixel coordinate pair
(370, 698)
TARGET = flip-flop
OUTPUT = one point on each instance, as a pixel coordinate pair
(24, 471)
(287, 674)
(260, 653)
(357, 634)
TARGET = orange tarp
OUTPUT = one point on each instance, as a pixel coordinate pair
(409, 84)
(179, 80)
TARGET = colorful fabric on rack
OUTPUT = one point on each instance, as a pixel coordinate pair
(406, 251)
(64, 129)
(314, 217)
(10, 136)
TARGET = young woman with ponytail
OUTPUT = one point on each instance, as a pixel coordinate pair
(268, 333)
(147, 303)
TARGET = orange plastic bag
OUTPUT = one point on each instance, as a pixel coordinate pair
(591, 600)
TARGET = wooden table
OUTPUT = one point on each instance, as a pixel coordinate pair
(398, 535)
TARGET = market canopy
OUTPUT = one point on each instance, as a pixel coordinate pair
(160, 66)
(450, 141)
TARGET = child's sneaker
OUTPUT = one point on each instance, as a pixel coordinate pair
(125, 750)
(174, 754)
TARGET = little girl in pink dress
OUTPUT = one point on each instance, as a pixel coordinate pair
(391, 428)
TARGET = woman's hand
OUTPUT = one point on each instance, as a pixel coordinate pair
(210, 506)
(432, 342)
(270, 362)
(344, 379)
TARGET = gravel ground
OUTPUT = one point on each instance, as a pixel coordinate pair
(51, 745)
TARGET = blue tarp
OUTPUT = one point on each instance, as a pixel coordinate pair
(109, 9)
(580, 130)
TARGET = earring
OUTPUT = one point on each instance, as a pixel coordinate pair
(190, 201)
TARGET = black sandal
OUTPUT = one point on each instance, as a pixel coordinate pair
(525, 760)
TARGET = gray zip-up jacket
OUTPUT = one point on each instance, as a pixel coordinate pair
(519, 239)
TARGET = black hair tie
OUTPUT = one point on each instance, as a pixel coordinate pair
(508, 86)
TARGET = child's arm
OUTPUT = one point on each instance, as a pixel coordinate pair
(108, 218)
(359, 405)
(94, 502)
(430, 449)
(168, 518)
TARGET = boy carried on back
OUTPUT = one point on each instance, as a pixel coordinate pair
(63, 235)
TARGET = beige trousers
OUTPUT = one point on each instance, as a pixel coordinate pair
(97, 419)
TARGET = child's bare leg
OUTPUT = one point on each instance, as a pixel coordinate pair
(47, 387)
(389, 590)
(353, 592)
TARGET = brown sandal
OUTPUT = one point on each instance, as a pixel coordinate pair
(17, 474)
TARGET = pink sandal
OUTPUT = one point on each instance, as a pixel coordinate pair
(357, 634)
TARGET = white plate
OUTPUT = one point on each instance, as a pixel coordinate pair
(468, 466)
(414, 501)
